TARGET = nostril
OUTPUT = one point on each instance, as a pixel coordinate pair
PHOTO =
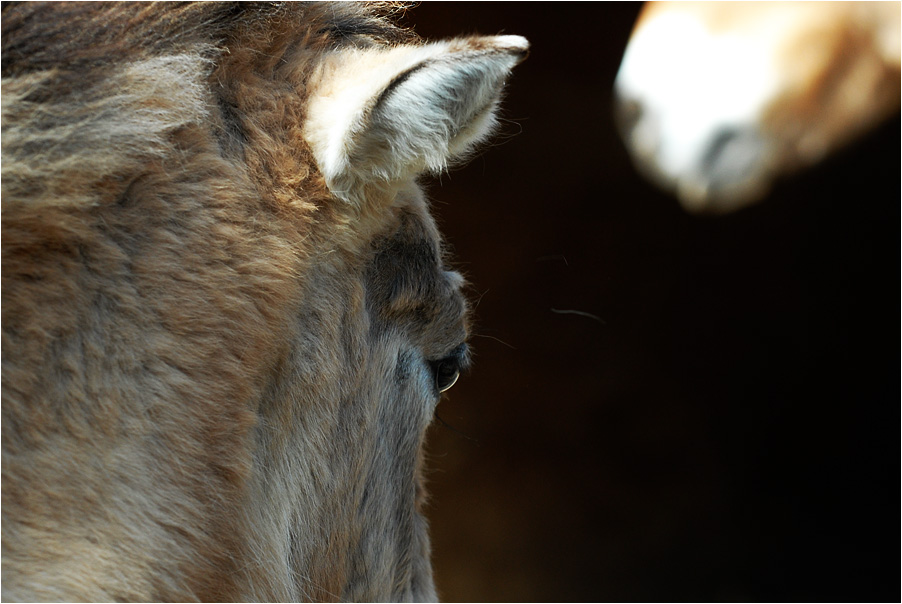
(627, 113)
(719, 143)
(637, 126)
(732, 155)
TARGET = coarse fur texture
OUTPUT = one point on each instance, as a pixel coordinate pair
(224, 297)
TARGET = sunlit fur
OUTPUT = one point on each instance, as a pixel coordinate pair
(718, 99)
(215, 370)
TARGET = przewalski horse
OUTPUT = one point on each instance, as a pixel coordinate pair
(226, 313)
(717, 99)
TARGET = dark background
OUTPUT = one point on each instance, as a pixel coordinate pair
(729, 428)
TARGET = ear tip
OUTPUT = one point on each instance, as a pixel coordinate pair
(511, 42)
(515, 45)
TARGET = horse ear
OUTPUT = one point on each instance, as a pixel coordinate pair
(382, 116)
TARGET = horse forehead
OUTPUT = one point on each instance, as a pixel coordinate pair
(410, 217)
(410, 243)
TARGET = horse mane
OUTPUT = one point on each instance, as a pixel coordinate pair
(79, 35)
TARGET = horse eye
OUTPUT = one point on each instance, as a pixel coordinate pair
(446, 371)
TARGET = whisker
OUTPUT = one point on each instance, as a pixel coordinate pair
(445, 424)
(499, 340)
(579, 313)
(553, 257)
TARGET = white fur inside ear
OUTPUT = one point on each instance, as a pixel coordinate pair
(384, 116)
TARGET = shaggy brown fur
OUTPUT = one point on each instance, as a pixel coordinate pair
(213, 370)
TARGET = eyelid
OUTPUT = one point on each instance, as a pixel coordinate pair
(461, 354)
(446, 371)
